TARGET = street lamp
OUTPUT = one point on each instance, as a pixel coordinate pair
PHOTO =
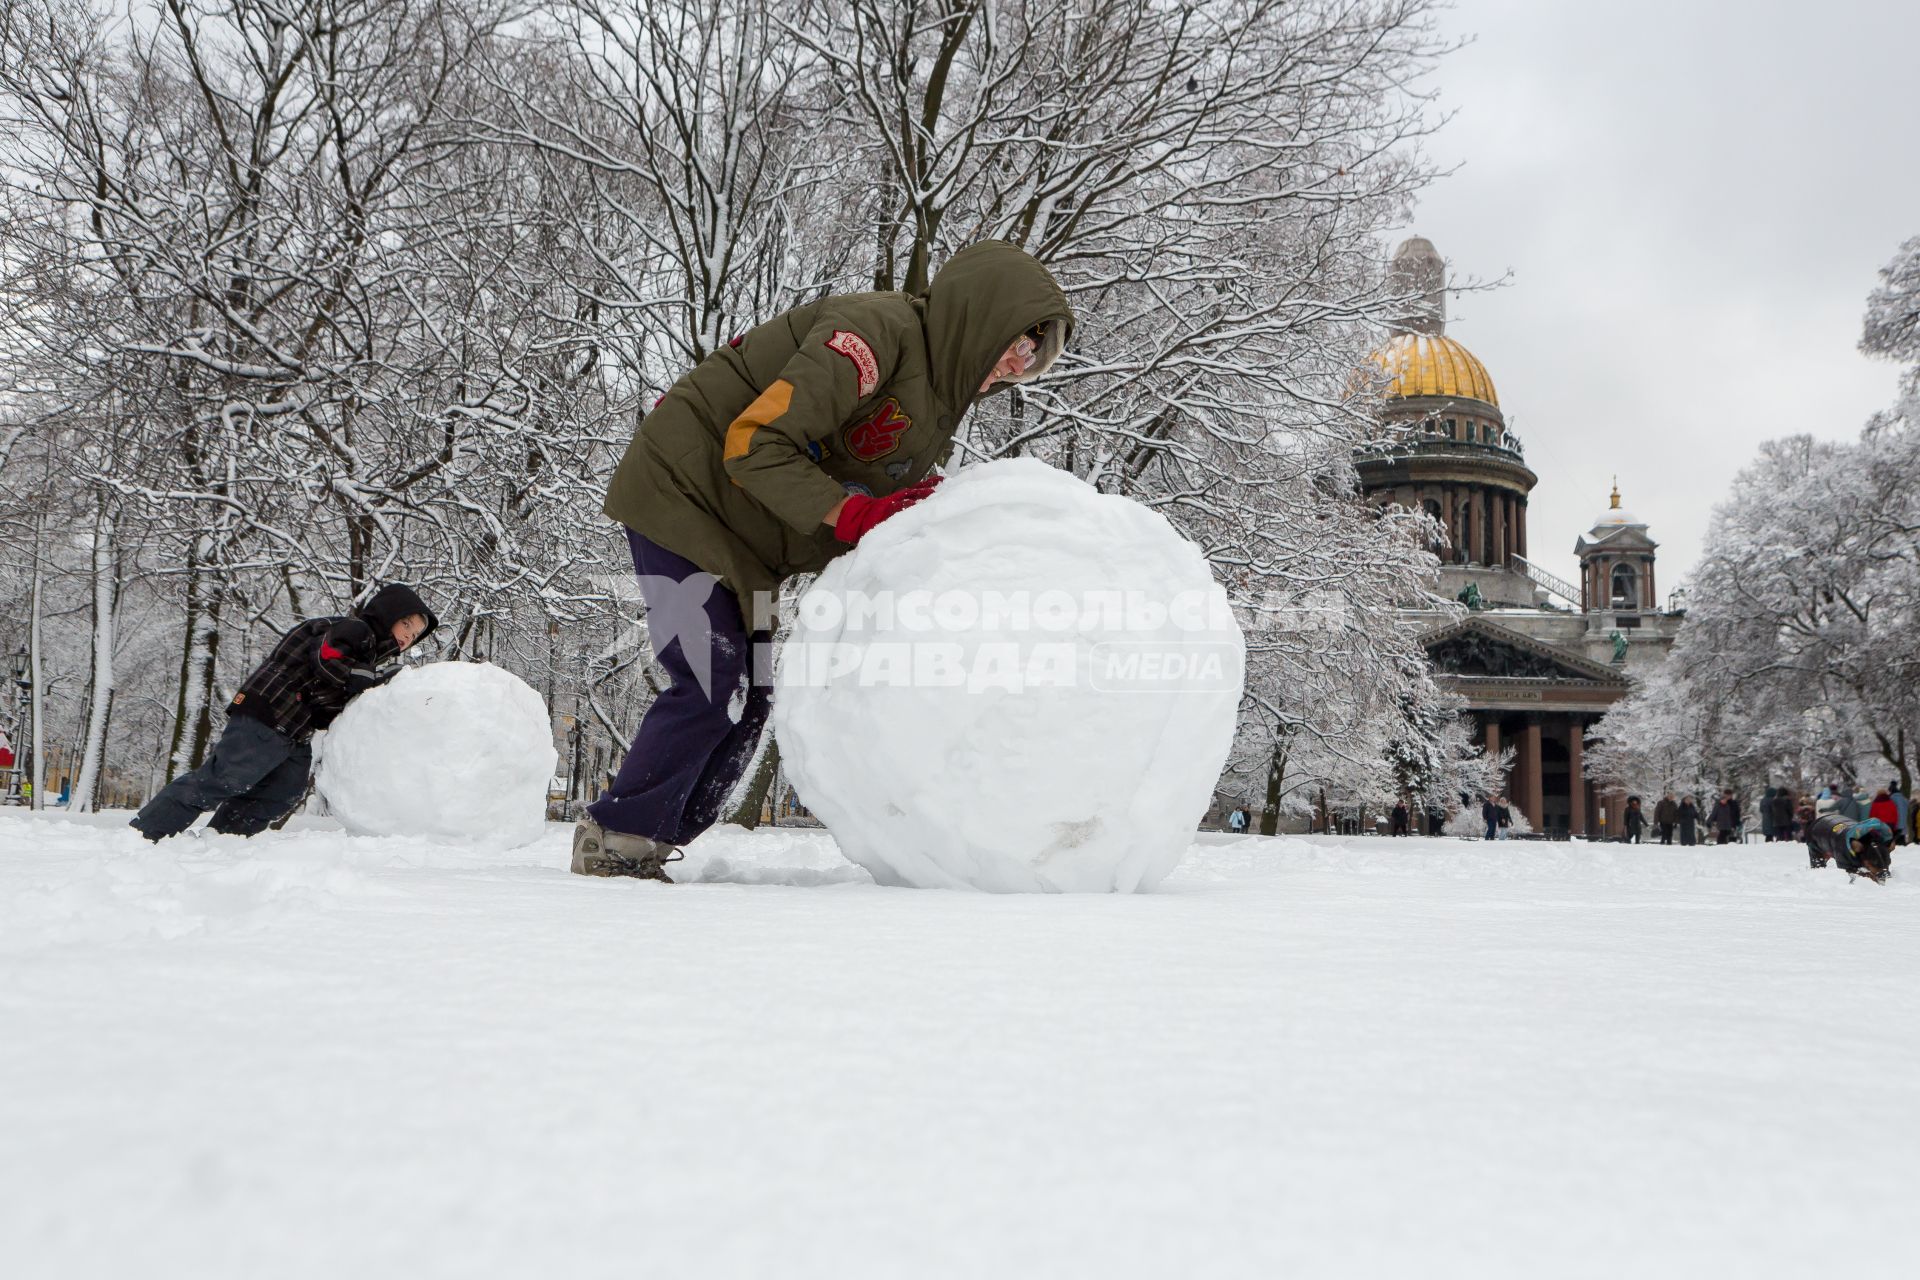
(20, 669)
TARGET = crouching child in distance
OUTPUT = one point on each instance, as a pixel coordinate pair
(1861, 848)
(258, 770)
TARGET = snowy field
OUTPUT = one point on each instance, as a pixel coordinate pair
(313, 1055)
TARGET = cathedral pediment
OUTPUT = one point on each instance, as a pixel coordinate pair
(1478, 649)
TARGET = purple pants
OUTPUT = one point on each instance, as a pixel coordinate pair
(691, 749)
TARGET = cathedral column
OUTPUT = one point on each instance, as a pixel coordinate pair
(1576, 776)
(1531, 791)
(1648, 592)
(1521, 522)
(1446, 518)
(1479, 525)
(1493, 739)
(1498, 551)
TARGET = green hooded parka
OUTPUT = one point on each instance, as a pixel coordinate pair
(738, 464)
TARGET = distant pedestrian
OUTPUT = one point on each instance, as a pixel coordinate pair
(1901, 833)
(1783, 808)
(1688, 815)
(1636, 821)
(1435, 820)
(1725, 819)
(1490, 817)
(1885, 810)
(1848, 805)
(1402, 819)
(1665, 814)
(1503, 819)
(1766, 813)
(1237, 820)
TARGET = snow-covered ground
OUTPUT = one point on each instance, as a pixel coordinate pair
(314, 1055)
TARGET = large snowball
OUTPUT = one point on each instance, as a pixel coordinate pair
(1020, 685)
(450, 750)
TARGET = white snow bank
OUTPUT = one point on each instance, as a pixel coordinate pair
(1020, 685)
(1304, 1057)
(451, 751)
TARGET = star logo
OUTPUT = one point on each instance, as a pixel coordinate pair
(677, 613)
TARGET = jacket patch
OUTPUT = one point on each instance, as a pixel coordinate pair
(878, 434)
(898, 470)
(865, 366)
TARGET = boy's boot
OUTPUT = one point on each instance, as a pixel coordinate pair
(600, 852)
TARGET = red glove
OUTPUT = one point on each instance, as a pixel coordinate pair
(861, 513)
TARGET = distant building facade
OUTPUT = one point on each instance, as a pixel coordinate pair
(1538, 659)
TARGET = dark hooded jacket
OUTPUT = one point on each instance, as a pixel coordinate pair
(738, 464)
(318, 666)
(1782, 812)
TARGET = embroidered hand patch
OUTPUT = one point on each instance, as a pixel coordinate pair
(878, 434)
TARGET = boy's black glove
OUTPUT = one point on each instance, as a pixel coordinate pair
(361, 679)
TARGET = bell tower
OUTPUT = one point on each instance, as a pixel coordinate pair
(1616, 564)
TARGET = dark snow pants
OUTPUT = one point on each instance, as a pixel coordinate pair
(700, 733)
(253, 775)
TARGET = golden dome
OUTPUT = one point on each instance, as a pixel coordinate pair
(1432, 364)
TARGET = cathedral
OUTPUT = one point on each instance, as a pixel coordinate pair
(1538, 659)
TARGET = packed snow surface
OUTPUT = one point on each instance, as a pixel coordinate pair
(450, 750)
(313, 1055)
(1020, 684)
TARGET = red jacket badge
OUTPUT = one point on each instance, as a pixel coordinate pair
(878, 434)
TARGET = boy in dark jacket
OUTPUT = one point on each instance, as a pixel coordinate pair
(258, 769)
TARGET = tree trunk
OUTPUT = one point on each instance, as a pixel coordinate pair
(752, 797)
(106, 599)
(37, 675)
(1276, 775)
(193, 716)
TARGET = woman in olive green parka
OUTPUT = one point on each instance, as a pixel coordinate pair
(769, 458)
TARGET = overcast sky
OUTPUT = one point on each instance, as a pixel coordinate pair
(1692, 199)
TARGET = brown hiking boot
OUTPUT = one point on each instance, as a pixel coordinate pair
(600, 852)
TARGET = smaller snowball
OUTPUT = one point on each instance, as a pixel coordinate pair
(451, 750)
